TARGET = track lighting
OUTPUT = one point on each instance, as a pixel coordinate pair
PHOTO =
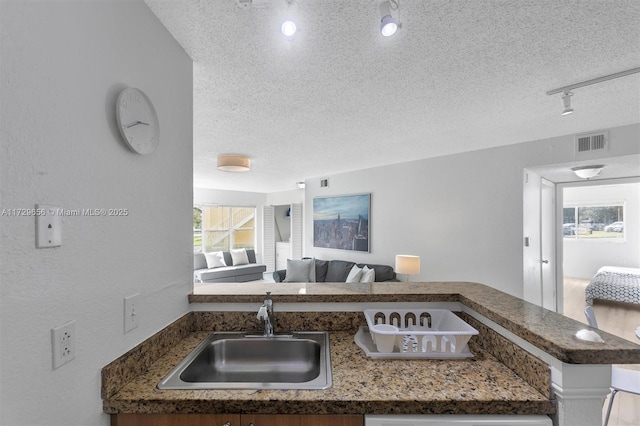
(289, 26)
(566, 91)
(566, 103)
(388, 23)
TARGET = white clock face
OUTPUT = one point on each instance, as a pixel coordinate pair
(137, 121)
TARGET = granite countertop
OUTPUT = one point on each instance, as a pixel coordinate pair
(547, 330)
(481, 385)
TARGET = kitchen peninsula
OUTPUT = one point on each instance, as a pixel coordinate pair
(527, 359)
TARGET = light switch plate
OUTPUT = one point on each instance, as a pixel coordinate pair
(48, 226)
(131, 319)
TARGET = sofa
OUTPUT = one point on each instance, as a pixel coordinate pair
(338, 270)
(204, 272)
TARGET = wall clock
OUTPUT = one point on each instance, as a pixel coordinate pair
(137, 121)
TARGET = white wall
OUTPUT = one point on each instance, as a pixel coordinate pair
(583, 257)
(463, 213)
(63, 64)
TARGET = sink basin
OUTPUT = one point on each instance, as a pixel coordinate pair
(239, 361)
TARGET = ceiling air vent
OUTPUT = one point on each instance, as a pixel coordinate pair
(591, 142)
(324, 183)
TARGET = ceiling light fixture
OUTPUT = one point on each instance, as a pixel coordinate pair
(566, 103)
(389, 24)
(566, 91)
(587, 172)
(234, 163)
(289, 27)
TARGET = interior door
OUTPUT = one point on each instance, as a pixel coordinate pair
(548, 245)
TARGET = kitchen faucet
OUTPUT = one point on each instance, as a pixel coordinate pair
(265, 313)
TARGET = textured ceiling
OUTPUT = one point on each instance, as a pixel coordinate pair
(458, 76)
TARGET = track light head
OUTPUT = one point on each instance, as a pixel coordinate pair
(389, 23)
(288, 28)
(566, 103)
(388, 26)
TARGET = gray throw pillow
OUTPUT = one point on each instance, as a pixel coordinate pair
(300, 271)
(338, 271)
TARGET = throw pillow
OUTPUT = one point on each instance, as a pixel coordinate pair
(300, 271)
(322, 266)
(338, 271)
(355, 275)
(368, 275)
(239, 257)
(215, 259)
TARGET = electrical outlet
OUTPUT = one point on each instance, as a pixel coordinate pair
(63, 343)
(131, 312)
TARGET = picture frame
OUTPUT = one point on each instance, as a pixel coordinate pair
(342, 222)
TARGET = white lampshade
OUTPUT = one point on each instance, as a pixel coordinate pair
(234, 163)
(407, 264)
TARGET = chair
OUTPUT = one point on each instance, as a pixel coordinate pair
(622, 379)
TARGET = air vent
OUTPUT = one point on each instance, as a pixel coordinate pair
(591, 142)
(324, 183)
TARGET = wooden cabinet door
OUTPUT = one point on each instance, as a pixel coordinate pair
(301, 420)
(175, 419)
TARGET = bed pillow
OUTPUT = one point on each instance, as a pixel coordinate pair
(368, 275)
(239, 257)
(300, 271)
(215, 259)
(354, 275)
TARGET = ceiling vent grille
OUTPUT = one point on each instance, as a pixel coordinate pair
(592, 142)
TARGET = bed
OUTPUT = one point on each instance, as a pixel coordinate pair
(614, 283)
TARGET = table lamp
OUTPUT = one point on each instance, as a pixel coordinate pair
(407, 264)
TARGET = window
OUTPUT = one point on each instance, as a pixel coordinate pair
(225, 227)
(594, 222)
(197, 230)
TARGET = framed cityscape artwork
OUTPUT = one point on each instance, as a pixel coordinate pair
(342, 222)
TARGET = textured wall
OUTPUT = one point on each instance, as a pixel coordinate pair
(63, 64)
(462, 213)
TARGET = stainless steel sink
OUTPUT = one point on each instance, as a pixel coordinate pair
(239, 361)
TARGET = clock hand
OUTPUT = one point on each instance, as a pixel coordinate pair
(135, 123)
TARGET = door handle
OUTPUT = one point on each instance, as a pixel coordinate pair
(545, 261)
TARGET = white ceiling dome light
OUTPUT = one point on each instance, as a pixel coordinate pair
(587, 172)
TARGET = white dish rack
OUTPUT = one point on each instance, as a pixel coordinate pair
(414, 333)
